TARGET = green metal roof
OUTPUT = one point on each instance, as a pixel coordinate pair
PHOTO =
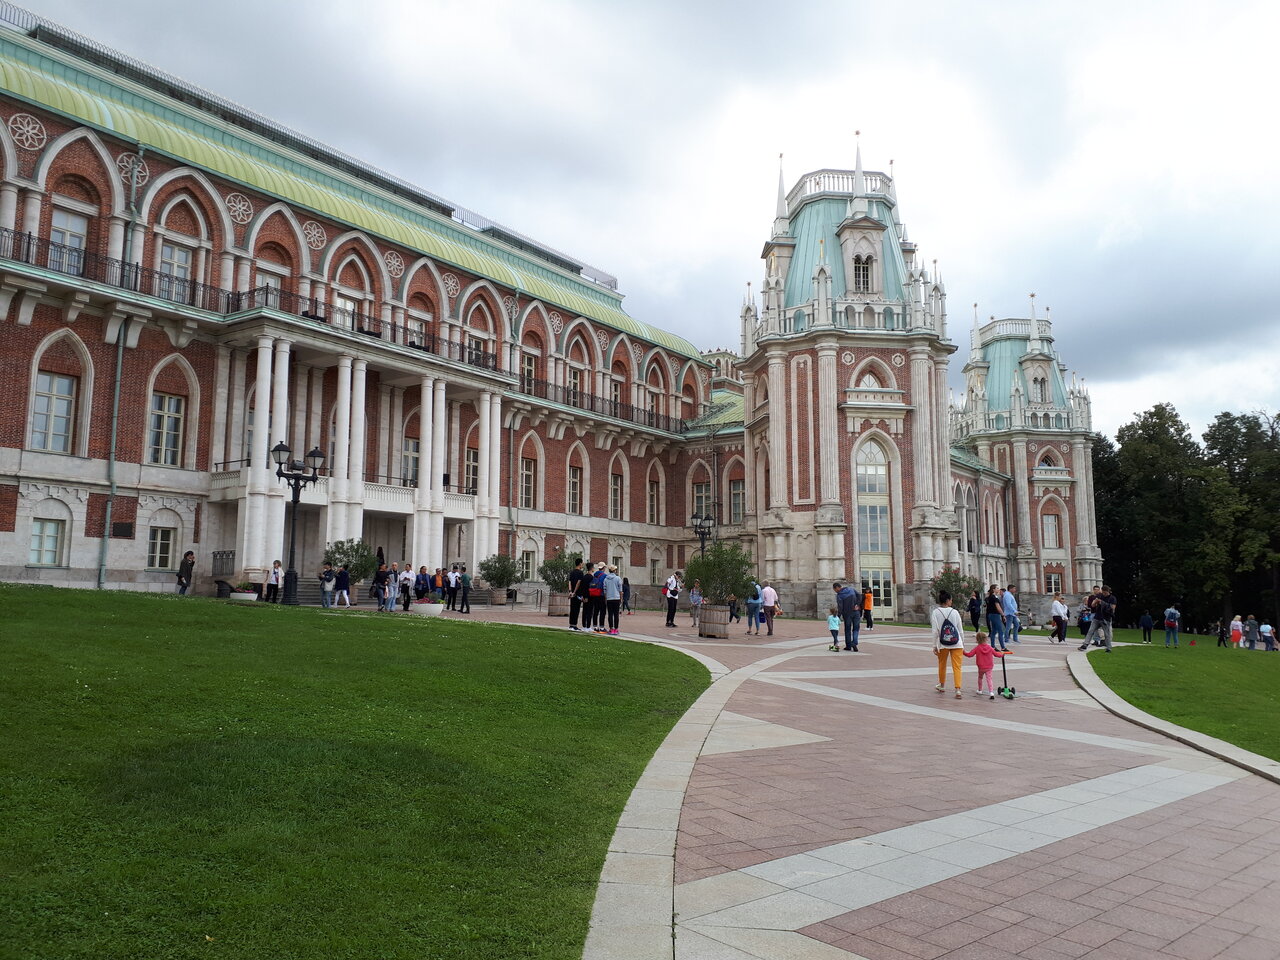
(59, 82)
(967, 458)
(817, 221)
(1003, 354)
(722, 416)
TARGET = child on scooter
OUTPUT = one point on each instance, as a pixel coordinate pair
(984, 655)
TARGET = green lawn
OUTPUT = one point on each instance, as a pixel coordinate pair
(1230, 694)
(183, 777)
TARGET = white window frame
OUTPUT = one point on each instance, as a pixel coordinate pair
(528, 565)
(471, 470)
(528, 483)
(654, 501)
(72, 401)
(1050, 531)
(1052, 583)
(169, 453)
(737, 500)
(700, 497)
(410, 461)
(70, 261)
(162, 544)
(617, 487)
(573, 490)
(41, 554)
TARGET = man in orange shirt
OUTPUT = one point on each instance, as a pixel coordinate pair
(866, 607)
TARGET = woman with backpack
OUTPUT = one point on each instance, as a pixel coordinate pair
(948, 641)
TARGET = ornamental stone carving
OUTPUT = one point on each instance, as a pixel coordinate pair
(511, 305)
(394, 262)
(557, 322)
(899, 359)
(1064, 447)
(637, 353)
(451, 284)
(847, 358)
(27, 131)
(35, 492)
(133, 169)
(602, 338)
(240, 208)
(315, 235)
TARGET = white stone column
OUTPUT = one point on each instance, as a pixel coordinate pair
(9, 206)
(298, 431)
(439, 443)
(339, 469)
(275, 521)
(1087, 472)
(235, 444)
(115, 238)
(1022, 491)
(1082, 504)
(221, 395)
(395, 434)
(942, 436)
(253, 548)
(316, 432)
(356, 468)
(226, 269)
(495, 476)
(422, 495)
(243, 273)
(485, 456)
(384, 429)
(31, 212)
(778, 458)
(828, 441)
(921, 437)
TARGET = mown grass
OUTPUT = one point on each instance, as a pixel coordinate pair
(192, 778)
(1230, 694)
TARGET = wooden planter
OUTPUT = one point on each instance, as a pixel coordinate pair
(498, 598)
(714, 621)
(557, 604)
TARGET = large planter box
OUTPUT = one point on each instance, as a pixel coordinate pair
(557, 604)
(498, 598)
(714, 621)
(242, 597)
(427, 609)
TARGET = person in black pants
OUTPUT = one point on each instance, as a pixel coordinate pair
(673, 596)
(452, 587)
(577, 581)
(464, 585)
(1146, 623)
(975, 610)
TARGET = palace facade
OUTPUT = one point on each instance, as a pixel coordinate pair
(185, 284)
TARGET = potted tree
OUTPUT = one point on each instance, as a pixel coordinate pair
(356, 555)
(725, 571)
(500, 572)
(555, 574)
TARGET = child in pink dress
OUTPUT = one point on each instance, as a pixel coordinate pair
(984, 655)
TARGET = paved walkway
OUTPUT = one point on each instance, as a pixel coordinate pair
(834, 806)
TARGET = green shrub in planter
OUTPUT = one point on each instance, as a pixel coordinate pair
(724, 571)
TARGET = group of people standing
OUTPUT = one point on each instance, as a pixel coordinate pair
(1246, 633)
(1001, 609)
(597, 596)
(399, 584)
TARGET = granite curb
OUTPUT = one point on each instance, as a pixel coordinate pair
(1084, 674)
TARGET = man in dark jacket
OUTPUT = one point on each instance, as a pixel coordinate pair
(185, 571)
(577, 590)
(848, 606)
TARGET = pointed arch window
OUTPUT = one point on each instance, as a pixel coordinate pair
(873, 499)
(53, 423)
(862, 274)
(869, 381)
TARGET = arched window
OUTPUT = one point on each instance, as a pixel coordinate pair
(799, 320)
(862, 274)
(870, 381)
(875, 540)
(890, 321)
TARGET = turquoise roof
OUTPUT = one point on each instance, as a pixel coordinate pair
(817, 221)
(64, 84)
(1003, 355)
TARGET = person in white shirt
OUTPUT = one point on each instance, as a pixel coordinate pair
(454, 580)
(769, 602)
(406, 585)
(673, 595)
(948, 641)
(1060, 615)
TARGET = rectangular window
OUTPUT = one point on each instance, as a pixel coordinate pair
(528, 564)
(1049, 531)
(617, 562)
(471, 471)
(615, 394)
(160, 543)
(655, 501)
(1053, 583)
(873, 528)
(873, 478)
(702, 499)
(475, 351)
(528, 483)
(881, 583)
(528, 370)
(167, 413)
(53, 414)
(575, 386)
(409, 462)
(861, 275)
(737, 500)
(70, 232)
(46, 543)
(175, 269)
(573, 501)
(346, 313)
(653, 572)
(615, 496)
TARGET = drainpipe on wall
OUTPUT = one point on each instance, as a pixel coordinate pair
(121, 334)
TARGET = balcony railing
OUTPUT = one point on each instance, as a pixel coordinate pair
(567, 396)
(74, 262)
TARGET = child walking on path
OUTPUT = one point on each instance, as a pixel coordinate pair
(948, 641)
(984, 658)
(833, 624)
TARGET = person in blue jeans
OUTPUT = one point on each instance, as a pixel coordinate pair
(995, 618)
(1009, 603)
(1171, 620)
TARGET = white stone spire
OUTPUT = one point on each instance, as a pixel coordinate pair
(781, 223)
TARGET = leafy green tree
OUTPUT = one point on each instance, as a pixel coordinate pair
(959, 585)
(500, 571)
(555, 572)
(724, 570)
(356, 555)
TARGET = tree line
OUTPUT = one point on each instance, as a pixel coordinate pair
(1192, 522)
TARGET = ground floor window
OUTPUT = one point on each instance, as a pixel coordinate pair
(160, 543)
(528, 561)
(653, 572)
(47, 538)
(1053, 583)
(881, 583)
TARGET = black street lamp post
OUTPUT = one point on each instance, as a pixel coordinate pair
(704, 528)
(297, 477)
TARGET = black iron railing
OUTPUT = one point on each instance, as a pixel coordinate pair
(605, 406)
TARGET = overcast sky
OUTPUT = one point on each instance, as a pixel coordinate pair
(1116, 158)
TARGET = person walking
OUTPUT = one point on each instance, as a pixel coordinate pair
(1268, 634)
(342, 587)
(464, 590)
(421, 583)
(734, 616)
(695, 602)
(326, 586)
(382, 587)
(275, 576)
(1146, 623)
(984, 658)
(975, 610)
(452, 588)
(1171, 620)
(848, 604)
(995, 618)
(405, 587)
(753, 603)
(577, 592)
(1251, 632)
(596, 594)
(948, 641)
(768, 603)
(612, 598)
(626, 596)
(185, 569)
(834, 621)
(1237, 631)
(1012, 625)
(1224, 634)
(1060, 615)
(673, 596)
(867, 600)
(1102, 616)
